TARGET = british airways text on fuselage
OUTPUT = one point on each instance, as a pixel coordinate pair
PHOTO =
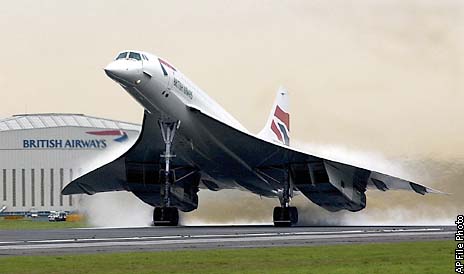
(183, 88)
(65, 143)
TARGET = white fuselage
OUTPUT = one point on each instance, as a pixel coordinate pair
(161, 88)
(158, 86)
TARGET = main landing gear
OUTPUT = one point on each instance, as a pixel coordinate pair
(285, 215)
(167, 215)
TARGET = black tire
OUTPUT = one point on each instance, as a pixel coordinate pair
(285, 216)
(293, 212)
(173, 216)
(165, 216)
(281, 217)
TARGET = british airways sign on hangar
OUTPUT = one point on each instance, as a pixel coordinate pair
(94, 143)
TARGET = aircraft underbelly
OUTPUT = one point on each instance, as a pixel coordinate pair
(218, 162)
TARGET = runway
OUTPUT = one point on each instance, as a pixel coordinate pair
(93, 240)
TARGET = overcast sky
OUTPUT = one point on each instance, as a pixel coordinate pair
(370, 75)
(380, 77)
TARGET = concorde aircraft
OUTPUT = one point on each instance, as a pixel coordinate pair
(214, 151)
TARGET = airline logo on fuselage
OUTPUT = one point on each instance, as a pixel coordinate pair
(177, 83)
(162, 62)
(183, 88)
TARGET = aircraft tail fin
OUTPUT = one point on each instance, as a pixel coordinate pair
(277, 128)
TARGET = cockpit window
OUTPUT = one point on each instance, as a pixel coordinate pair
(122, 55)
(145, 57)
(135, 55)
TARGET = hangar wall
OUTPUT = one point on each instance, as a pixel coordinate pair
(41, 153)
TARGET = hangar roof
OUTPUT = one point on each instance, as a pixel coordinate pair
(53, 120)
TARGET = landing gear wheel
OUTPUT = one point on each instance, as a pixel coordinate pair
(165, 216)
(285, 216)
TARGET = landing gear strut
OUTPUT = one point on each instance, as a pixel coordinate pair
(285, 215)
(167, 215)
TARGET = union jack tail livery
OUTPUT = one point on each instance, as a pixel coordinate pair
(277, 127)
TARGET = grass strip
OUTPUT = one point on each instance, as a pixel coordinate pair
(403, 257)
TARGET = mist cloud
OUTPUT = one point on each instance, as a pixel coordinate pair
(233, 207)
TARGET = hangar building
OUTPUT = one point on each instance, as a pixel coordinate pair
(41, 153)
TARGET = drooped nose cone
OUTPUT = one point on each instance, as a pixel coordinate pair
(126, 72)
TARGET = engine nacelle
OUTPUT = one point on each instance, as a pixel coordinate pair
(331, 185)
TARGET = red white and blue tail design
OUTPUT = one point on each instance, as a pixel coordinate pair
(277, 128)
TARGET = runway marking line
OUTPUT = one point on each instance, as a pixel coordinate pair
(206, 239)
(138, 238)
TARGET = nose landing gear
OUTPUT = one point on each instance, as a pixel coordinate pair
(167, 215)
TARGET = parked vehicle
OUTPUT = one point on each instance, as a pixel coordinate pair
(57, 216)
(33, 213)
